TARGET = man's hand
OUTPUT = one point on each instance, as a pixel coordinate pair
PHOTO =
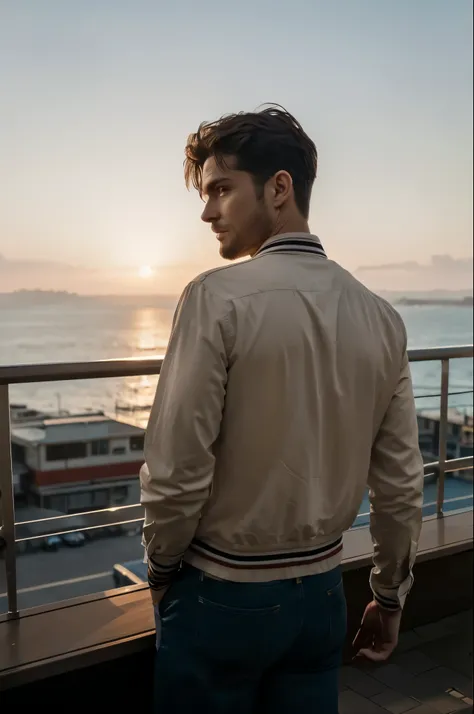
(378, 634)
(157, 596)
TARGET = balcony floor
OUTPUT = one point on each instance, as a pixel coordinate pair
(430, 661)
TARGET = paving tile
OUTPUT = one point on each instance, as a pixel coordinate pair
(395, 677)
(461, 664)
(454, 652)
(414, 662)
(395, 702)
(438, 700)
(445, 678)
(353, 703)
(429, 688)
(360, 682)
(408, 640)
(436, 630)
(461, 622)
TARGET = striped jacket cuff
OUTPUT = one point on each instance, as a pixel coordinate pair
(160, 576)
(387, 604)
(391, 598)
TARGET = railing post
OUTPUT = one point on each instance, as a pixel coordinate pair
(6, 501)
(443, 434)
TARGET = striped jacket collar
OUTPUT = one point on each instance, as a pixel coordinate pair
(293, 243)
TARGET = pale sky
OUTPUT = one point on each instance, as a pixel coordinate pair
(97, 98)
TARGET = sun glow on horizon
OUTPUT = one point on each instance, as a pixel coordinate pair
(145, 271)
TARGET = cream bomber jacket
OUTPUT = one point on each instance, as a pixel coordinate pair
(284, 394)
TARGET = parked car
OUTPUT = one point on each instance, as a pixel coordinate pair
(73, 539)
(52, 542)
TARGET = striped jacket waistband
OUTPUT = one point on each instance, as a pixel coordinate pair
(284, 559)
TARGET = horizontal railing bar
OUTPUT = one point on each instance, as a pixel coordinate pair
(95, 519)
(461, 464)
(438, 394)
(138, 520)
(429, 354)
(42, 536)
(429, 503)
(136, 366)
(112, 509)
(67, 371)
(449, 500)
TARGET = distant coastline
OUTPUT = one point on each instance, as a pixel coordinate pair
(30, 298)
(457, 302)
(33, 298)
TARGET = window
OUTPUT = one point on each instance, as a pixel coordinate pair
(119, 494)
(64, 452)
(117, 450)
(100, 448)
(137, 443)
(100, 498)
(80, 501)
(18, 453)
(56, 503)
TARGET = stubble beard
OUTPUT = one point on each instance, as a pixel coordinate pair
(257, 230)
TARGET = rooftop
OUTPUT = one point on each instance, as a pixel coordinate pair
(454, 416)
(73, 428)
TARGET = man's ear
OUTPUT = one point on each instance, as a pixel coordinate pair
(283, 188)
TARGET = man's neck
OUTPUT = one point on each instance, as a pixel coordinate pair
(293, 225)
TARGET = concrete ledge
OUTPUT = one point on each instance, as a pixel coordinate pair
(83, 642)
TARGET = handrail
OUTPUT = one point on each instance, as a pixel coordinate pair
(54, 372)
(434, 354)
(98, 369)
(461, 464)
(135, 366)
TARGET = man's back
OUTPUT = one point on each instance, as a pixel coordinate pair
(313, 361)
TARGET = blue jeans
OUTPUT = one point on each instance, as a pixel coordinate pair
(249, 648)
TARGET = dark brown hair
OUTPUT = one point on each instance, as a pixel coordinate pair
(263, 143)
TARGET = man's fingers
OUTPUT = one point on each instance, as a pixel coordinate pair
(364, 638)
(373, 655)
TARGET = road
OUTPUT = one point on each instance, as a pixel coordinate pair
(45, 577)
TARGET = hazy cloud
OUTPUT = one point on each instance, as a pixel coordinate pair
(49, 275)
(437, 261)
(443, 272)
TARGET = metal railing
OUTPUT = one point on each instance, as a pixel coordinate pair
(22, 374)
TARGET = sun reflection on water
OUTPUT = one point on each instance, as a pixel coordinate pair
(149, 339)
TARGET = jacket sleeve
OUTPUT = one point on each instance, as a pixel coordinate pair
(184, 423)
(396, 480)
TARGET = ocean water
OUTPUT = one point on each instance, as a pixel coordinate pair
(89, 329)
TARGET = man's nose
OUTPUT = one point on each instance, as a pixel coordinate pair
(210, 213)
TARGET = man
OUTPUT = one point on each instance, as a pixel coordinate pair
(284, 393)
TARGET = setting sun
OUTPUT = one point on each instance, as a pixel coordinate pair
(145, 271)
